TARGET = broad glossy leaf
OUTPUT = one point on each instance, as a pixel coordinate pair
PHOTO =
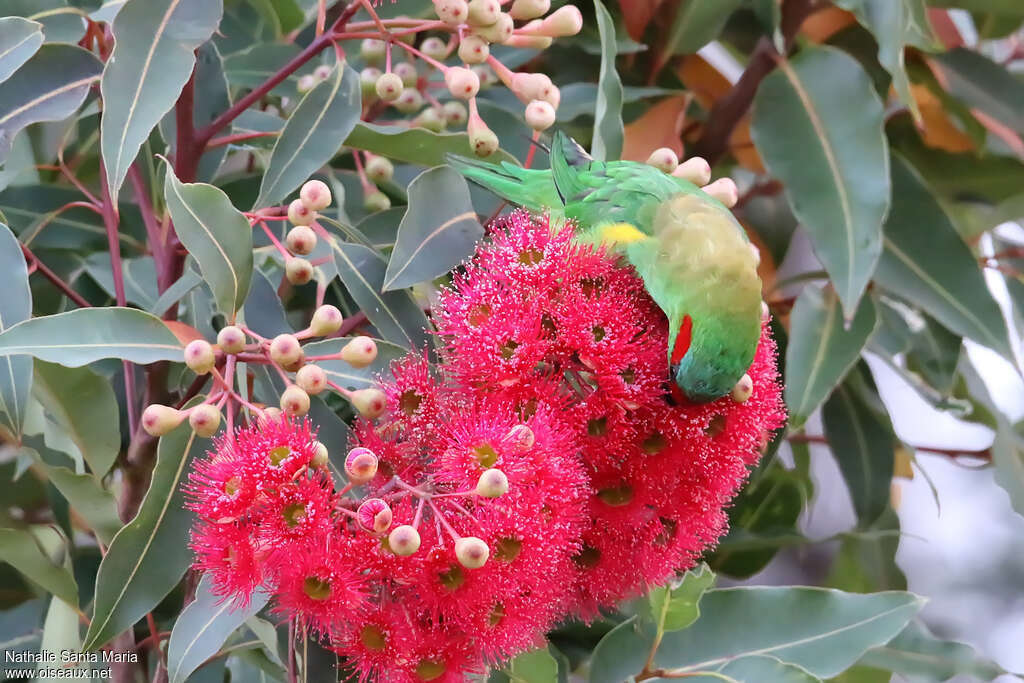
(61, 23)
(833, 631)
(933, 268)
(1011, 7)
(87, 496)
(916, 652)
(821, 349)
(608, 127)
(181, 287)
(50, 86)
(395, 314)
(438, 231)
(323, 118)
(697, 24)
(216, 234)
(414, 145)
(263, 312)
(818, 126)
(149, 555)
(254, 65)
(152, 60)
(759, 668)
(22, 550)
(84, 406)
(861, 437)
(535, 666)
(210, 100)
(86, 335)
(677, 605)
(895, 24)
(340, 372)
(139, 277)
(1008, 458)
(19, 40)
(203, 627)
(60, 635)
(866, 561)
(622, 652)
(15, 306)
(985, 85)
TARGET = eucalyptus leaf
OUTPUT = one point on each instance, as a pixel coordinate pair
(151, 62)
(19, 40)
(917, 652)
(414, 145)
(439, 229)
(817, 124)
(22, 550)
(698, 23)
(15, 306)
(608, 127)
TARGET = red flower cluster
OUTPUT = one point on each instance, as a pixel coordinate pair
(539, 472)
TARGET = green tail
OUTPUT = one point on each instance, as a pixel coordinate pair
(534, 190)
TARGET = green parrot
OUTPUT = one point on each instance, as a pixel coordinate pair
(693, 256)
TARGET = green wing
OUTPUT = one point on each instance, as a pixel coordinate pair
(534, 190)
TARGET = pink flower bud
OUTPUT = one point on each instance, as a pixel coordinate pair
(492, 484)
(199, 356)
(743, 390)
(359, 352)
(326, 320)
(454, 113)
(471, 552)
(205, 420)
(301, 240)
(374, 515)
(294, 402)
(408, 101)
(231, 339)
(766, 312)
(451, 12)
(540, 115)
(300, 214)
(756, 253)
(360, 465)
(404, 540)
(529, 87)
(695, 170)
(565, 21)
(376, 201)
(461, 82)
(520, 438)
(499, 32)
(320, 455)
(285, 349)
(389, 86)
(379, 169)
(724, 190)
(272, 414)
(407, 72)
(315, 195)
(322, 72)
(298, 270)
(663, 159)
(306, 83)
(311, 379)
(431, 119)
(368, 81)
(529, 42)
(372, 50)
(483, 12)
(524, 10)
(474, 50)
(158, 420)
(369, 403)
(435, 48)
(482, 138)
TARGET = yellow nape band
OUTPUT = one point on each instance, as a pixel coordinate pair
(621, 233)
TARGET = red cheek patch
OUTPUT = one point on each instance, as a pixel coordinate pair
(682, 340)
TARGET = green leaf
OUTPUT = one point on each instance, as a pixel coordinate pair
(833, 631)
(153, 58)
(210, 100)
(861, 437)
(760, 668)
(87, 335)
(342, 373)
(60, 635)
(1008, 458)
(95, 504)
(395, 314)
(324, 117)
(933, 268)
(48, 87)
(216, 234)
(1012, 7)
(139, 277)
(263, 312)
(916, 652)
(818, 126)
(866, 561)
(414, 145)
(984, 85)
(821, 349)
(677, 605)
(895, 24)
(84, 406)
(140, 569)
(536, 666)
(22, 550)
(15, 306)
(622, 652)
(251, 67)
(19, 40)
(61, 23)
(439, 229)
(697, 24)
(203, 627)
(608, 127)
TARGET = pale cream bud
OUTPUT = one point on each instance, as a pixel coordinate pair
(404, 540)
(743, 390)
(231, 339)
(199, 356)
(205, 420)
(300, 214)
(359, 352)
(158, 420)
(663, 159)
(474, 50)
(370, 403)
(312, 379)
(294, 402)
(524, 10)
(461, 82)
(389, 86)
(471, 552)
(326, 320)
(315, 195)
(298, 270)
(540, 115)
(695, 170)
(285, 349)
(492, 484)
(379, 169)
(724, 190)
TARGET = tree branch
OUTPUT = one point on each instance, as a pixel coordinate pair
(64, 287)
